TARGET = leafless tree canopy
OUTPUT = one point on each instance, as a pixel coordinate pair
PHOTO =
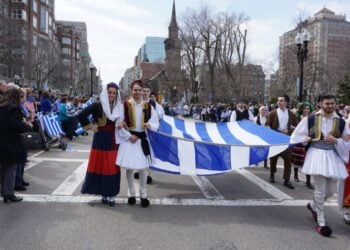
(214, 52)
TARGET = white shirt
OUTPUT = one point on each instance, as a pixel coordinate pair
(233, 116)
(283, 118)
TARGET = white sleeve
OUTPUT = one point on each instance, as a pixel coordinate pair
(154, 121)
(233, 116)
(300, 132)
(251, 116)
(343, 146)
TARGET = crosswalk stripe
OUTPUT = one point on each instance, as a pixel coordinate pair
(207, 188)
(173, 201)
(267, 187)
(72, 182)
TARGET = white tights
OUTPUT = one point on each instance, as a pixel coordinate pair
(324, 188)
(131, 182)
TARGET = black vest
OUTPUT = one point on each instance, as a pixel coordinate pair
(242, 115)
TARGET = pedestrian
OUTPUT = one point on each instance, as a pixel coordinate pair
(11, 149)
(134, 151)
(261, 120)
(299, 150)
(284, 121)
(103, 175)
(325, 157)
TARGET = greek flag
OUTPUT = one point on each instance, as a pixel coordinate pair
(52, 125)
(80, 130)
(190, 147)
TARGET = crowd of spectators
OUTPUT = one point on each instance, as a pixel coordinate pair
(19, 108)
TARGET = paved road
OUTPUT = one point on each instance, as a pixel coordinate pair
(240, 210)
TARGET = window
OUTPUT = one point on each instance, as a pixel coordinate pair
(44, 20)
(35, 6)
(35, 40)
(35, 22)
(66, 62)
(66, 40)
(66, 51)
(19, 14)
(20, 1)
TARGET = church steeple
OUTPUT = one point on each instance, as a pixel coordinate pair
(173, 28)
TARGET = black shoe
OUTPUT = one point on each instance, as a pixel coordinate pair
(149, 179)
(325, 231)
(313, 212)
(310, 186)
(266, 167)
(104, 200)
(111, 203)
(131, 200)
(12, 198)
(272, 178)
(144, 202)
(288, 184)
(20, 188)
(25, 184)
(136, 175)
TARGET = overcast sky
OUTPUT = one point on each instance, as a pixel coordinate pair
(117, 28)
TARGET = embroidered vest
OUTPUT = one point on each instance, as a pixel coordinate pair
(242, 115)
(130, 115)
(314, 123)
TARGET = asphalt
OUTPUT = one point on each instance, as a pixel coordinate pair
(186, 222)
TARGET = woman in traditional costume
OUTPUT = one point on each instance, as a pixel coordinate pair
(134, 151)
(299, 150)
(103, 175)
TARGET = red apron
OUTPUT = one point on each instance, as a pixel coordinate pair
(347, 187)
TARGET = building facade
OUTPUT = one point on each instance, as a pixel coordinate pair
(328, 55)
(152, 50)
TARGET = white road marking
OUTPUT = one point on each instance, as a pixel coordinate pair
(72, 182)
(59, 159)
(72, 150)
(267, 187)
(35, 155)
(32, 163)
(207, 188)
(172, 201)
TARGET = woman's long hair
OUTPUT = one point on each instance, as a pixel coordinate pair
(12, 96)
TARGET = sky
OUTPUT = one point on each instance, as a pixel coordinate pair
(117, 28)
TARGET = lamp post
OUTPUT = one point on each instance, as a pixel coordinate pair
(195, 90)
(174, 94)
(301, 41)
(92, 67)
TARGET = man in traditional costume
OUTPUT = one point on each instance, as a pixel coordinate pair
(325, 157)
(134, 152)
(103, 175)
(241, 113)
(284, 121)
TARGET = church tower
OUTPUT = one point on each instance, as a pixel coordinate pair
(173, 46)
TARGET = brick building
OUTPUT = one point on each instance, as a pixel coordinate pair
(328, 54)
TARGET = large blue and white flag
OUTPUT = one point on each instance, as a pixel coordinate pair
(190, 147)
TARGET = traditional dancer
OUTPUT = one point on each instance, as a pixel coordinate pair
(325, 157)
(134, 151)
(298, 151)
(103, 175)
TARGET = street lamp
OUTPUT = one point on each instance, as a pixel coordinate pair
(174, 93)
(92, 67)
(302, 40)
(17, 78)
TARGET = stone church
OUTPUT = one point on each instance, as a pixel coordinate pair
(170, 82)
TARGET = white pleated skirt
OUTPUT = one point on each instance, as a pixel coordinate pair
(130, 156)
(324, 162)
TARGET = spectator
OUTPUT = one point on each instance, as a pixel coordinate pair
(11, 148)
(45, 103)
